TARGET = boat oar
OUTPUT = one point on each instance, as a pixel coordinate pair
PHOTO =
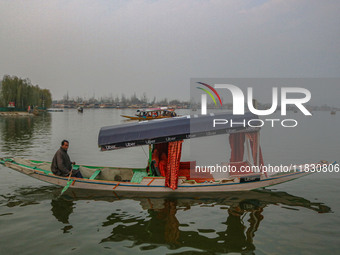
(69, 182)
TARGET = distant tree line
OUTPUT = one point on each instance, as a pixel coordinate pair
(23, 93)
(123, 100)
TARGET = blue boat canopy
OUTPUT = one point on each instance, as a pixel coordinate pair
(175, 129)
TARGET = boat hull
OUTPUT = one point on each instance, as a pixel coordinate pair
(155, 184)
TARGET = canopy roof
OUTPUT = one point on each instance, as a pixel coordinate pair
(172, 129)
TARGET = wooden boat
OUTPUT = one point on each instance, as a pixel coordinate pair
(55, 110)
(152, 113)
(80, 109)
(177, 176)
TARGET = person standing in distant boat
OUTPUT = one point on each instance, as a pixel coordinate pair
(61, 163)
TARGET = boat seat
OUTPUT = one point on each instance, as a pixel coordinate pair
(187, 169)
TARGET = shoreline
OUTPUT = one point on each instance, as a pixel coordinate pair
(16, 114)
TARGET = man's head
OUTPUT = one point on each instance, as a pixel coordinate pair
(64, 145)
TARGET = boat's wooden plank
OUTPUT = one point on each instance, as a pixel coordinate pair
(30, 167)
(90, 167)
(154, 184)
(95, 174)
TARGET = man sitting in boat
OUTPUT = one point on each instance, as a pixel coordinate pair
(61, 163)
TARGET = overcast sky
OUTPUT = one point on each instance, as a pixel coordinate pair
(106, 47)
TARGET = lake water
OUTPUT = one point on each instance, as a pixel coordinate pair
(298, 217)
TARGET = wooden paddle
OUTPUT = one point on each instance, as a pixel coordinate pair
(69, 182)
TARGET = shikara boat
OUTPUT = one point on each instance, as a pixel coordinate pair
(169, 174)
(152, 113)
(54, 110)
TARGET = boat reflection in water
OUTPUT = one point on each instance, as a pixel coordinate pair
(159, 225)
(163, 228)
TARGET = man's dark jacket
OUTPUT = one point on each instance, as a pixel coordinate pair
(61, 163)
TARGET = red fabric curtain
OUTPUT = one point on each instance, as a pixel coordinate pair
(236, 142)
(163, 163)
(253, 137)
(174, 157)
(161, 147)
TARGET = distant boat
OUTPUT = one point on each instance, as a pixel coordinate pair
(152, 113)
(80, 109)
(55, 110)
(36, 111)
(333, 112)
